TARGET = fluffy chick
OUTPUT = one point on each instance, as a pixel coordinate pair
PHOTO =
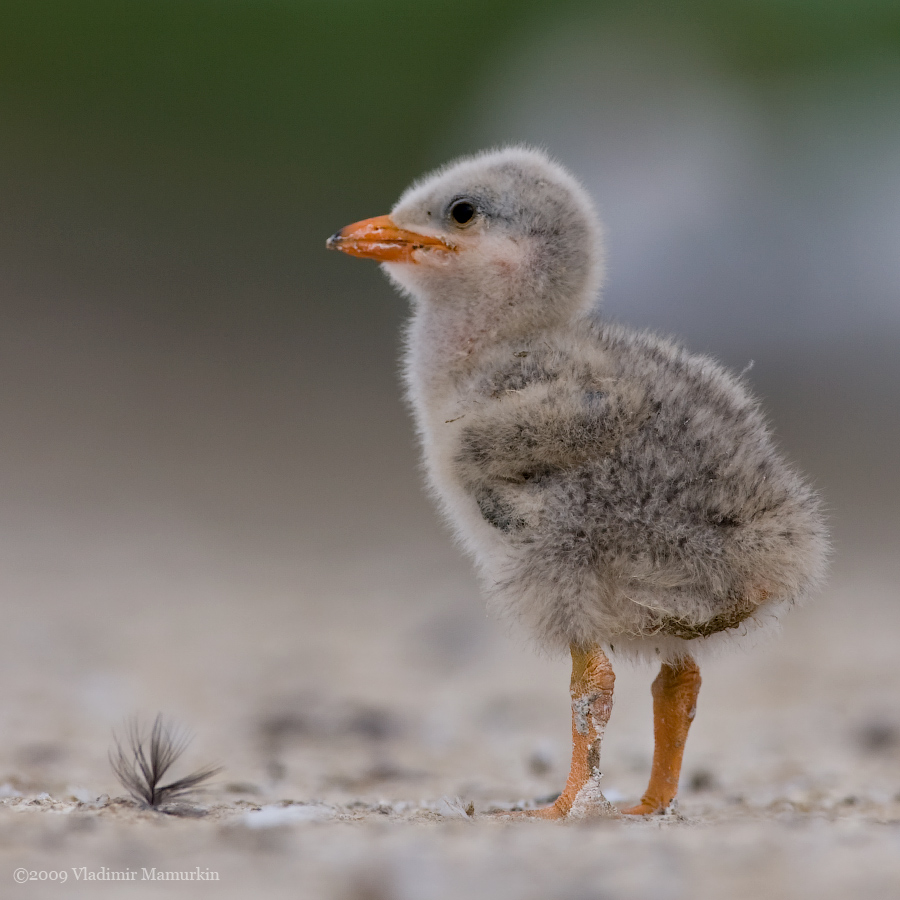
(615, 491)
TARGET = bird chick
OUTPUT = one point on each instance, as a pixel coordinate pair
(616, 492)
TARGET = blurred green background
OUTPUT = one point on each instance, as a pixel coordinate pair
(188, 381)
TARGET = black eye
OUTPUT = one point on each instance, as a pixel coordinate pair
(462, 212)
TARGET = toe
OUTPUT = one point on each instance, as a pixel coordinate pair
(642, 809)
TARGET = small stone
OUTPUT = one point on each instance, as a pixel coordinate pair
(701, 780)
(878, 736)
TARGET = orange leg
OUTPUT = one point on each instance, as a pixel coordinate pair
(674, 705)
(592, 693)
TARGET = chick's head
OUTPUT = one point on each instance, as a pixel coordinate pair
(509, 229)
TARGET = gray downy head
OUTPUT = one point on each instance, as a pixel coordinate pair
(527, 241)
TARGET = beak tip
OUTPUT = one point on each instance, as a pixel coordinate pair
(333, 243)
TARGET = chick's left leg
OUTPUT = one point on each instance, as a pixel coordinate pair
(592, 694)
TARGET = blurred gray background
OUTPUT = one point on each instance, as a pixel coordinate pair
(208, 480)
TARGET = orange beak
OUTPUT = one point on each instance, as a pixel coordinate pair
(381, 239)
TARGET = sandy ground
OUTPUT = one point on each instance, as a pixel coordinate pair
(360, 705)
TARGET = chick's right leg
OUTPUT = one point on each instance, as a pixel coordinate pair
(675, 693)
